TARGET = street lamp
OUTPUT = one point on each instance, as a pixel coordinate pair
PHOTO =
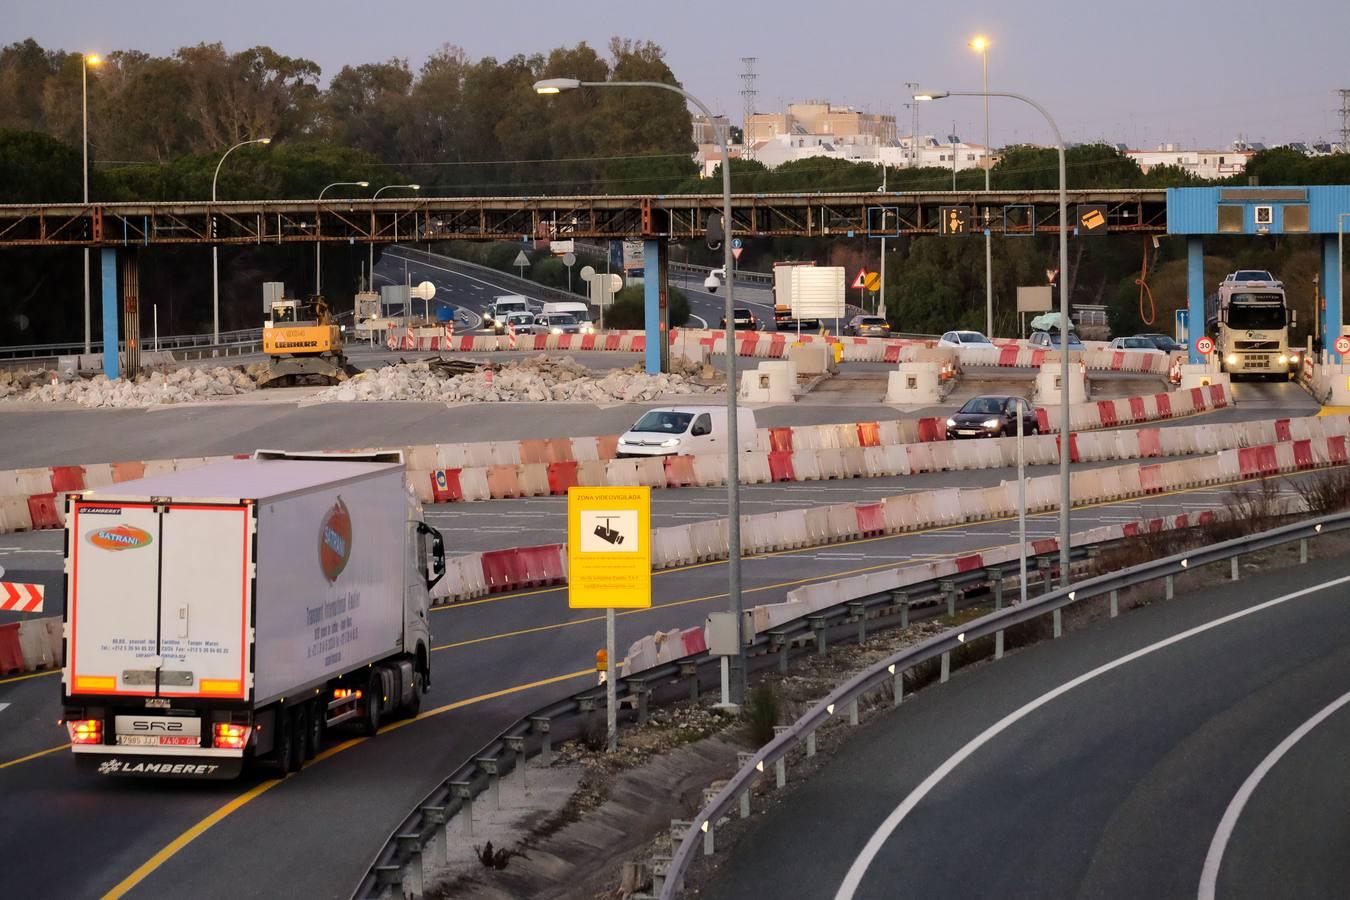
(86, 60)
(980, 45)
(370, 273)
(737, 679)
(318, 245)
(881, 301)
(1340, 281)
(215, 262)
(1065, 436)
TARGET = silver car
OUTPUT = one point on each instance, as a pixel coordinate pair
(868, 326)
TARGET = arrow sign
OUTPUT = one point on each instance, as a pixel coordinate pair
(20, 597)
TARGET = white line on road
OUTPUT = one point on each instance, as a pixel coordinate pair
(1209, 875)
(703, 323)
(849, 886)
(3, 706)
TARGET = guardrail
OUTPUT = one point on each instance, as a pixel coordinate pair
(184, 349)
(749, 278)
(166, 342)
(889, 672)
(424, 830)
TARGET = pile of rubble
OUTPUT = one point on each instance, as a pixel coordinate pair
(539, 378)
(185, 385)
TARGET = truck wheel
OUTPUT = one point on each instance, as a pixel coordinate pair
(414, 705)
(283, 744)
(314, 734)
(371, 726)
(299, 727)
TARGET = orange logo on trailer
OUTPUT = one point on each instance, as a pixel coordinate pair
(335, 541)
(119, 537)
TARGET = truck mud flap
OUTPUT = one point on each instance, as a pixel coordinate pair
(115, 765)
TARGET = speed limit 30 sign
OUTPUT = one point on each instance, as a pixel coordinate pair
(1343, 344)
(1205, 346)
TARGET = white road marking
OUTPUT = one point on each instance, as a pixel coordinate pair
(703, 323)
(1209, 875)
(4, 706)
(853, 878)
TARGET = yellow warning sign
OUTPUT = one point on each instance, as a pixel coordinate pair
(872, 282)
(954, 219)
(609, 551)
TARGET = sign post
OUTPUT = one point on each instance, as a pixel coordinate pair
(609, 565)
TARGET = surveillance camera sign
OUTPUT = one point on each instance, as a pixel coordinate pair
(609, 547)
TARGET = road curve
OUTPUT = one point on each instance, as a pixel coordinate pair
(1099, 765)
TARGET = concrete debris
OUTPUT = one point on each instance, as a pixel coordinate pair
(540, 378)
(185, 385)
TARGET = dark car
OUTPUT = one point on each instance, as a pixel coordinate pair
(991, 417)
(744, 318)
(868, 326)
(1163, 342)
(802, 326)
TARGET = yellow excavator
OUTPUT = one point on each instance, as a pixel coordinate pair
(303, 343)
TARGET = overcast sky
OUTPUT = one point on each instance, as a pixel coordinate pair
(1197, 72)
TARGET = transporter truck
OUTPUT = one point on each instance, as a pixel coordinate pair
(238, 611)
(1250, 320)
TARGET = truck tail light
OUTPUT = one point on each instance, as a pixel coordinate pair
(229, 736)
(344, 693)
(85, 731)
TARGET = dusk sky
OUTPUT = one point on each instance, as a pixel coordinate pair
(1195, 73)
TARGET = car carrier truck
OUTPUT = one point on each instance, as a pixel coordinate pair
(239, 610)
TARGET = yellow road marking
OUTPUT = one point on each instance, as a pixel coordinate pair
(24, 759)
(191, 834)
(30, 675)
(1334, 411)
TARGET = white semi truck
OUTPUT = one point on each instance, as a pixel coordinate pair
(1250, 319)
(238, 610)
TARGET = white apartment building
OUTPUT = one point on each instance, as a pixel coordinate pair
(1207, 164)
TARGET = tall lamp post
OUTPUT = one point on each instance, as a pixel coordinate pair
(881, 302)
(318, 244)
(1065, 436)
(86, 60)
(737, 679)
(1329, 339)
(215, 262)
(980, 45)
(370, 272)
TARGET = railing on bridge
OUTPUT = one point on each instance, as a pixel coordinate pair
(672, 216)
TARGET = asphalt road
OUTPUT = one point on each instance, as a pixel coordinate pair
(1115, 787)
(528, 644)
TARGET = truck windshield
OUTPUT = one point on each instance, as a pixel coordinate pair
(664, 422)
(1255, 317)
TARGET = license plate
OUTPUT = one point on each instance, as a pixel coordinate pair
(966, 431)
(157, 740)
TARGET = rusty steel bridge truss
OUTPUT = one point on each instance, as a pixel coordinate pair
(671, 217)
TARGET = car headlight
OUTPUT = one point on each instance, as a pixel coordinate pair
(623, 440)
(1231, 359)
(992, 423)
(1293, 358)
(951, 423)
(555, 331)
(671, 442)
(1284, 360)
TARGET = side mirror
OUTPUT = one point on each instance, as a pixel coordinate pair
(437, 562)
(711, 284)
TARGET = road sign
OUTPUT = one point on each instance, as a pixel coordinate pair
(1092, 218)
(609, 552)
(735, 252)
(872, 282)
(861, 281)
(569, 259)
(521, 261)
(735, 243)
(955, 219)
(1343, 344)
(1204, 346)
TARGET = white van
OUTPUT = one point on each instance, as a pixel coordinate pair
(503, 306)
(577, 310)
(686, 431)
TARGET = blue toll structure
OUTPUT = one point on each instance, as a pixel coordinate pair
(1259, 212)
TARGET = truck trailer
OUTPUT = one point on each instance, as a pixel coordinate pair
(239, 610)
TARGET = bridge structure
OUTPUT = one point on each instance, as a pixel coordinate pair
(122, 229)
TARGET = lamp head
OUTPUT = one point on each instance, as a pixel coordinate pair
(414, 187)
(363, 184)
(979, 43)
(556, 85)
(93, 59)
(264, 140)
(931, 95)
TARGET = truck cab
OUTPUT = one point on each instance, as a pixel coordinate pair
(1251, 322)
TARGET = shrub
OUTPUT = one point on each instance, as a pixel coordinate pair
(763, 711)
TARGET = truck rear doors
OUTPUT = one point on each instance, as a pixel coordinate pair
(159, 599)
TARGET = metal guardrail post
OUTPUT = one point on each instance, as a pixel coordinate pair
(743, 801)
(853, 712)
(637, 687)
(489, 765)
(898, 684)
(439, 845)
(857, 610)
(948, 589)
(1115, 604)
(995, 577)
(387, 877)
(463, 791)
(1303, 551)
(1058, 618)
(410, 850)
(540, 724)
(778, 643)
(1233, 569)
(818, 626)
(1171, 586)
(946, 671)
(516, 744)
(901, 599)
(689, 669)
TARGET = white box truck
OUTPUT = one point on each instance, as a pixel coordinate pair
(239, 610)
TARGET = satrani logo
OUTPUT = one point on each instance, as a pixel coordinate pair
(335, 540)
(119, 537)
